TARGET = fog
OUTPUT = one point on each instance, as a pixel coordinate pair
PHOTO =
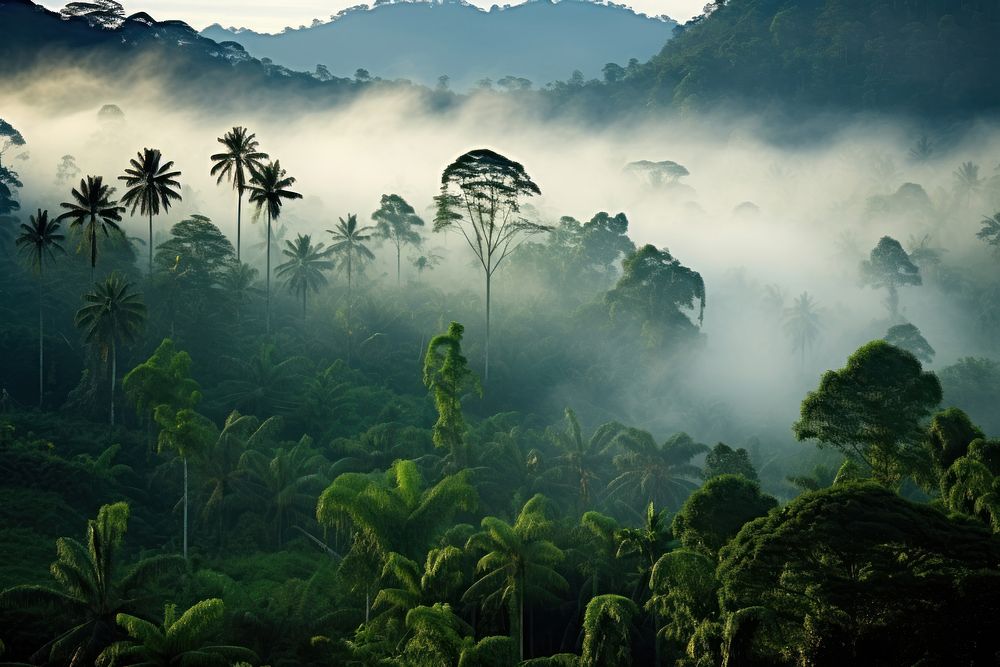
(812, 220)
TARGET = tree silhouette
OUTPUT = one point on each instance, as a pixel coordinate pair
(648, 472)
(990, 232)
(967, 180)
(94, 211)
(151, 185)
(908, 337)
(349, 245)
(394, 222)
(38, 241)
(305, 266)
(183, 639)
(581, 461)
(92, 588)
(890, 267)
(802, 325)
(240, 160)
(481, 195)
(113, 315)
(268, 190)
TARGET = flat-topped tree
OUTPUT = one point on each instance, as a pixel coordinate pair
(890, 267)
(151, 186)
(481, 195)
(240, 159)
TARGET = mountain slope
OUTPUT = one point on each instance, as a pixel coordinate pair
(540, 40)
(931, 58)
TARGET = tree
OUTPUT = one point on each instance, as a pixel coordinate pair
(973, 384)
(647, 472)
(684, 593)
(724, 460)
(394, 222)
(908, 337)
(654, 291)
(990, 232)
(795, 586)
(802, 325)
(481, 195)
(265, 383)
(183, 639)
(890, 267)
(519, 561)
(871, 410)
(305, 266)
(240, 159)
(448, 376)
(199, 251)
(92, 587)
(580, 461)
(151, 185)
(349, 245)
(713, 514)
(9, 138)
(436, 636)
(67, 169)
(268, 189)
(38, 241)
(923, 150)
(163, 379)
(967, 180)
(113, 314)
(94, 211)
(607, 631)
(437, 580)
(188, 434)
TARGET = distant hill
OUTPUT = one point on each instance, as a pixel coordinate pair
(929, 58)
(540, 41)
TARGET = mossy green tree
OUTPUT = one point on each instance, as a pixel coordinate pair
(448, 377)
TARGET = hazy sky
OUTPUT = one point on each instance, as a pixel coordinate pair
(272, 16)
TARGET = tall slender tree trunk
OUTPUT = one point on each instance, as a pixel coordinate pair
(399, 280)
(239, 211)
(303, 303)
(114, 372)
(185, 507)
(41, 345)
(267, 289)
(350, 332)
(520, 619)
(151, 243)
(486, 372)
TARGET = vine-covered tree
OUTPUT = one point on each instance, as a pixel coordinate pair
(481, 197)
(448, 376)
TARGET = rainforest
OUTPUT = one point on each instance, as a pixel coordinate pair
(693, 364)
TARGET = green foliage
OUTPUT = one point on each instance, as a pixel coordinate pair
(872, 408)
(684, 593)
(648, 472)
(448, 376)
(93, 211)
(654, 292)
(163, 379)
(715, 513)
(724, 460)
(607, 630)
(908, 337)
(395, 221)
(151, 186)
(305, 266)
(973, 384)
(92, 587)
(904, 585)
(181, 639)
(890, 267)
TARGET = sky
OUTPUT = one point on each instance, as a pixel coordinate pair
(272, 16)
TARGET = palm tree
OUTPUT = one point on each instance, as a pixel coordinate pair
(238, 284)
(395, 221)
(151, 185)
(38, 241)
(647, 544)
(240, 159)
(990, 233)
(580, 461)
(648, 472)
(263, 384)
(607, 630)
(180, 640)
(91, 587)
(286, 480)
(305, 266)
(967, 180)
(95, 211)
(519, 561)
(440, 575)
(268, 189)
(801, 323)
(349, 245)
(113, 314)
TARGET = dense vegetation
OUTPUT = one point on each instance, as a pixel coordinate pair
(342, 441)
